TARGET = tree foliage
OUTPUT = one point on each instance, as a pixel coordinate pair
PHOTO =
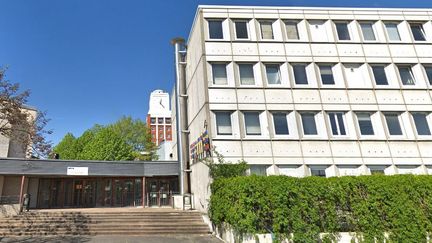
(301, 209)
(24, 126)
(125, 139)
(225, 169)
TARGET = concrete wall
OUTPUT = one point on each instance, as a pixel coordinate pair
(9, 210)
(200, 183)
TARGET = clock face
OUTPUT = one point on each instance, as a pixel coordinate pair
(160, 103)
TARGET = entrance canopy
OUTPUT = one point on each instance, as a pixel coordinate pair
(36, 167)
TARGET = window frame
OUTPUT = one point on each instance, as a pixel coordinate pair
(278, 65)
(246, 21)
(229, 113)
(239, 64)
(286, 122)
(427, 120)
(213, 73)
(358, 114)
(372, 66)
(338, 34)
(315, 123)
(319, 168)
(337, 123)
(386, 25)
(296, 22)
(330, 66)
(410, 71)
(209, 28)
(246, 126)
(294, 73)
(422, 31)
(372, 24)
(398, 116)
(427, 67)
(261, 21)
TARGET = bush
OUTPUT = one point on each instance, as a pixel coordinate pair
(224, 169)
(400, 205)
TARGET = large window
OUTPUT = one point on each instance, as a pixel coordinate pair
(421, 123)
(365, 123)
(318, 171)
(379, 74)
(342, 31)
(367, 31)
(215, 29)
(291, 29)
(326, 74)
(337, 123)
(272, 73)
(428, 70)
(406, 75)
(260, 170)
(280, 123)
(418, 31)
(223, 122)
(300, 76)
(246, 74)
(252, 123)
(241, 29)
(266, 30)
(219, 73)
(308, 122)
(393, 124)
(392, 31)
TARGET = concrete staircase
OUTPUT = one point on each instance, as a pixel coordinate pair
(104, 222)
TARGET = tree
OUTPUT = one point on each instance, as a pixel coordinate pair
(22, 125)
(67, 147)
(107, 145)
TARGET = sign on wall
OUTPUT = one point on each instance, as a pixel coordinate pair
(80, 171)
(200, 149)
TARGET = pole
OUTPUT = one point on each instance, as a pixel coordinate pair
(21, 193)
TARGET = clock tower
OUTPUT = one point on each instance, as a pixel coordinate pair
(159, 117)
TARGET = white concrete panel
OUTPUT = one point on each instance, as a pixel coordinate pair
(424, 50)
(257, 148)
(350, 50)
(404, 149)
(416, 97)
(250, 96)
(324, 50)
(377, 161)
(318, 160)
(228, 148)
(425, 149)
(259, 161)
(222, 107)
(288, 161)
(306, 96)
(402, 51)
(361, 97)
(287, 149)
(376, 50)
(334, 96)
(389, 97)
(246, 49)
(252, 107)
(374, 149)
(280, 107)
(348, 161)
(406, 161)
(336, 107)
(222, 96)
(294, 49)
(271, 49)
(278, 96)
(345, 149)
(216, 48)
(315, 149)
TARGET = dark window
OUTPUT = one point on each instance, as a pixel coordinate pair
(318, 171)
(365, 124)
(326, 74)
(418, 31)
(272, 73)
(342, 31)
(300, 73)
(309, 125)
(153, 120)
(168, 120)
(252, 123)
(392, 31)
(393, 124)
(379, 75)
(219, 73)
(241, 30)
(246, 74)
(337, 123)
(368, 32)
(406, 75)
(421, 123)
(160, 120)
(428, 70)
(280, 123)
(377, 170)
(291, 29)
(223, 123)
(215, 29)
(260, 170)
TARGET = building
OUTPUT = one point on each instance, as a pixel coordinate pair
(159, 117)
(310, 91)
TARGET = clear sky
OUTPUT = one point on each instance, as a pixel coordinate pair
(92, 61)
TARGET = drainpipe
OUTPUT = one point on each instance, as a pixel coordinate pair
(181, 115)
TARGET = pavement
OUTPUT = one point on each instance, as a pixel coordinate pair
(115, 239)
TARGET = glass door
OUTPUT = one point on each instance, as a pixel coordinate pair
(164, 193)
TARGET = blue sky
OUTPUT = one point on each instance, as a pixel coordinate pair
(89, 61)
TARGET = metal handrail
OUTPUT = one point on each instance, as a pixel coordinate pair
(14, 199)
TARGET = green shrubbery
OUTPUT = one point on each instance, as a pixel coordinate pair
(302, 208)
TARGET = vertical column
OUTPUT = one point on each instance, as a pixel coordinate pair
(143, 192)
(21, 192)
(1, 185)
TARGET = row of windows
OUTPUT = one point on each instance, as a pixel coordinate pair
(160, 120)
(357, 75)
(367, 123)
(318, 30)
(339, 170)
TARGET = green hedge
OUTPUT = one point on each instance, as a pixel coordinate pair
(302, 208)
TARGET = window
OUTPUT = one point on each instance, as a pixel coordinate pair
(342, 31)
(246, 74)
(365, 124)
(266, 30)
(219, 73)
(252, 123)
(280, 123)
(292, 30)
(421, 123)
(337, 123)
(168, 120)
(272, 72)
(260, 170)
(368, 31)
(241, 29)
(160, 120)
(379, 75)
(428, 70)
(215, 29)
(392, 31)
(406, 75)
(393, 124)
(300, 76)
(308, 122)
(418, 31)
(377, 169)
(318, 171)
(223, 123)
(326, 74)
(153, 120)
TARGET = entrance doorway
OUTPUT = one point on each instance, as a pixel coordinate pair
(160, 191)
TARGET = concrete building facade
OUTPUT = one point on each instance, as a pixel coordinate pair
(312, 91)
